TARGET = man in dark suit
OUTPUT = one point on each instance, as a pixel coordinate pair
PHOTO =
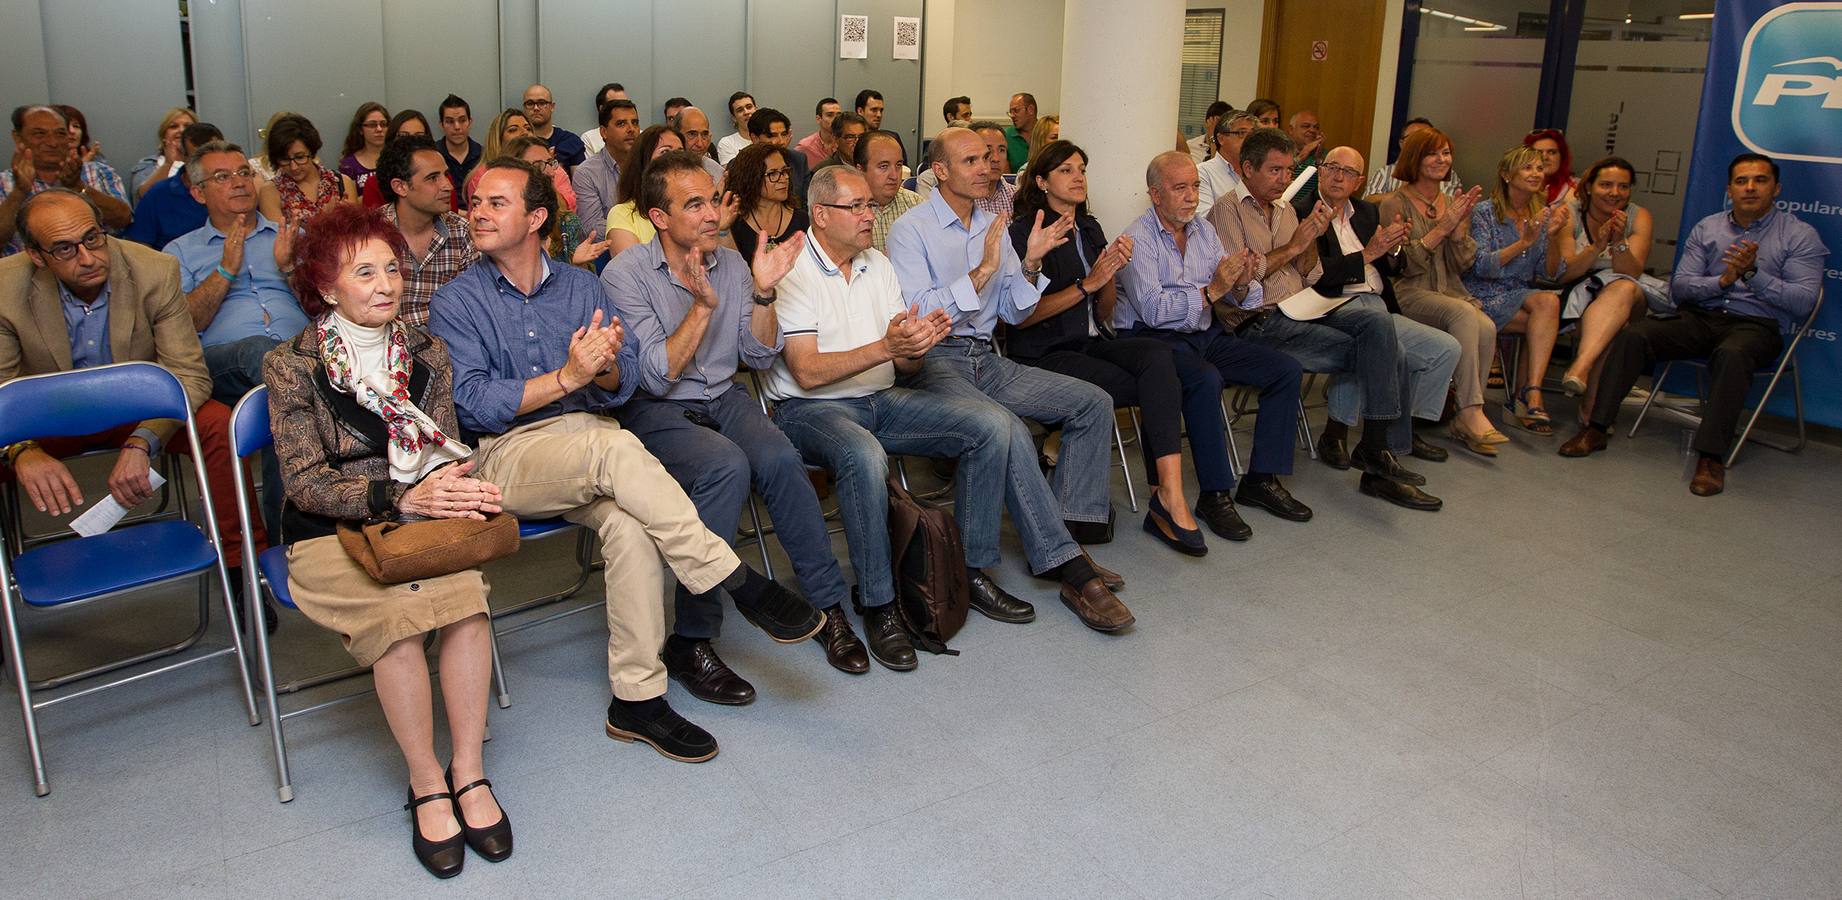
(1357, 253)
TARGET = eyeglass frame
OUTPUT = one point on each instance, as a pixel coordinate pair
(855, 209)
(92, 240)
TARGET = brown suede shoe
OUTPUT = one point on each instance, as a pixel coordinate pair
(1096, 606)
(1710, 478)
(1113, 580)
(1590, 440)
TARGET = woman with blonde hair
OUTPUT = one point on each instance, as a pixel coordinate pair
(1519, 237)
(170, 157)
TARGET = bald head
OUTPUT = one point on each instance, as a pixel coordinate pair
(695, 127)
(1303, 127)
(59, 221)
(1166, 166)
(960, 158)
(1340, 176)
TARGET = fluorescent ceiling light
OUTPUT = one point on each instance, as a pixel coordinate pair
(1688, 16)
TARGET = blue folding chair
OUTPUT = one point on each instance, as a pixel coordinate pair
(82, 569)
(250, 434)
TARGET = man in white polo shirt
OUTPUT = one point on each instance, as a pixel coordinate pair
(847, 334)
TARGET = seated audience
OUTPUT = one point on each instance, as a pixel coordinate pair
(1048, 130)
(692, 125)
(879, 157)
(116, 302)
(406, 123)
(364, 140)
(846, 130)
(672, 107)
(458, 148)
(167, 208)
(772, 127)
(88, 149)
(597, 179)
(1746, 277)
(1556, 161)
(1201, 147)
(1383, 180)
(869, 104)
(535, 381)
(45, 157)
(568, 242)
(1022, 111)
(540, 109)
(1220, 174)
(437, 246)
(1003, 195)
(302, 188)
(1308, 136)
(592, 141)
(819, 145)
(168, 158)
(951, 256)
(741, 107)
(693, 310)
(504, 140)
(1427, 274)
(1175, 273)
(957, 111)
(364, 424)
(1358, 340)
(768, 211)
(625, 225)
(849, 332)
(1265, 111)
(1604, 255)
(1518, 244)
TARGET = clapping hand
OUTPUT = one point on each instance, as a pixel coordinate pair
(1613, 229)
(994, 245)
(450, 493)
(1385, 240)
(587, 251)
(592, 350)
(1739, 258)
(697, 281)
(1458, 210)
(1044, 238)
(1108, 264)
(1315, 224)
(911, 334)
(727, 211)
(284, 242)
(233, 245)
(70, 174)
(24, 173)
(1559, 216)
(773, 263)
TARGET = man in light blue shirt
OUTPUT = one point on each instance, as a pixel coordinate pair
(949, 255)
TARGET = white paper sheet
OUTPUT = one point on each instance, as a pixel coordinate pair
(1308, 304)
(853, 37)
(1298, 184)
(106, 513)
(907, 37)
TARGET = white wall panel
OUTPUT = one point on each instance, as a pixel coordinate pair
(120, 61)
(319, 59)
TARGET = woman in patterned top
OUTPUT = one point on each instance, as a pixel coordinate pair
(302, 188)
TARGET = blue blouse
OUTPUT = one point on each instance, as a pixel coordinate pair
(1490, 279)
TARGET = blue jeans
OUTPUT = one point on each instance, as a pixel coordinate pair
(236, 369)
(1207, 361)
(1430, 357)
(997, 464)
(969, 369)
(718, 467)
(1356, 341)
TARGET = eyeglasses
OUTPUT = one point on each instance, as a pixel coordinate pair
(778, 174)
(221, 178)
(538, 104)
(380, 126)
(297, 159)
(856, 209)
(1339, 169)
(91, 240)
(545, 164)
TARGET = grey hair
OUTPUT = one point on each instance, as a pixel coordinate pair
(823, 186)
(196, 173)
(1154, 173)
(1223, 124)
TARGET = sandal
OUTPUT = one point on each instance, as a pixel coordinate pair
(1533, 419)
(1472, 442)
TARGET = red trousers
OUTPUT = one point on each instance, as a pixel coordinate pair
(213, 420)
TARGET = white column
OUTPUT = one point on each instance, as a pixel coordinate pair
(1122, 65)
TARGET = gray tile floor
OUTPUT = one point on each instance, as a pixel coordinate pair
(1576, 680)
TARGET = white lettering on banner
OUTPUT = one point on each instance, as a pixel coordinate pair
(1778, 85)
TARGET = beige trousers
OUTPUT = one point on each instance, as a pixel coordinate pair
(589, 470)
(1458, 317)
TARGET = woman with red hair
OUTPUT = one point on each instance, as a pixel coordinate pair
(1556, 160)
(362, 412)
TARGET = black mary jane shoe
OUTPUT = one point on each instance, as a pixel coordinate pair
(442, 858)
(1159, 524)
(494, 842)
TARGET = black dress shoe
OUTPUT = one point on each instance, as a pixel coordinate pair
(1266, 492)
(786, 617)
(1382, 464)
(1217, 509)
(889, 642)
(993, 602)
(494, 842)
(1334, 452)
(662, 729)
(1399, 494)
(842, 648)
(1158, 524)
(443, 858)
(1428, 452)
(696, 666)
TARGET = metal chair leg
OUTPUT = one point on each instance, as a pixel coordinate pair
(1656, 386)
(16, 661)
(1304, 430)
(1234, 451)
(754, 517)
(498, 668)
(1125, 467)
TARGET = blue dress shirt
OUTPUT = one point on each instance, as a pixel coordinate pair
(1789, 262)
(933, 252)
(88, 325)
(499, 337)
(259, 301)
(653, 303)
(1161, 288)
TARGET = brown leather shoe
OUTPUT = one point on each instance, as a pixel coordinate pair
(1113, 580)
(1590, 440)
(842, 648)
(1710, 478)
(1097, 607)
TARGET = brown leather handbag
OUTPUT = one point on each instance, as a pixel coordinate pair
(395, 552)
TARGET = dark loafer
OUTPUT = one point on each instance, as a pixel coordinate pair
(993, 602)
(1589, 441)
(1394, 492)
(666, 732)
(1267, 493)
(1334, 452)
(1710, 478)
(1158, 524)
(1217, 510)
(494, 842)
(696, 666)
(1113, 580)
(443, 858)
(842, 648)
(1383, 464)
(889, 642)
(1096, 606)
(784, 615)
(1428, 452)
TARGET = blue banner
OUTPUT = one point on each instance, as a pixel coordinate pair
(1774, 86)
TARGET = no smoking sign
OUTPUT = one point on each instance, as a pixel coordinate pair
(1320, 51)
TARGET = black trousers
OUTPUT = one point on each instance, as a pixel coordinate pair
(1134, 372)
(1735, 347)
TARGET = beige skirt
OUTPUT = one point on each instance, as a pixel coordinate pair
(338, 595)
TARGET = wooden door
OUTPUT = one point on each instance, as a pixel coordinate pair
(1325, 57)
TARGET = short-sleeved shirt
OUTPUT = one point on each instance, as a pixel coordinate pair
(626, 217)
(450, 253)
(652, 303)
(258, 302)
(813, 146)
(95, 175)
(815, 299)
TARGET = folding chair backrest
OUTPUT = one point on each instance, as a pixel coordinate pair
(249, 423)
(85, 401)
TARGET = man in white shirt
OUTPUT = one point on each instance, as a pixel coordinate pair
(1219, 177)
(741, 107)
(592, 141)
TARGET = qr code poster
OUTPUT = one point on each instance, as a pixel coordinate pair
(907, 38)
(854, 37)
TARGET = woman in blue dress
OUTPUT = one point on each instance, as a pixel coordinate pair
(1518, 237)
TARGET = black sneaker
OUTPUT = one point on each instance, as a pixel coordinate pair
(786, 617)
(664, 730)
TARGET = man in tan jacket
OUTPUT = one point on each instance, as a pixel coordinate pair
(78, 298)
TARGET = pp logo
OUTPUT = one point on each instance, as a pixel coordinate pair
(1788, 102)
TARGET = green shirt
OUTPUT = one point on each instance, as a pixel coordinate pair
(1019, 147)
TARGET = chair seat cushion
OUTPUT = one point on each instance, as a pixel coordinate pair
(274, 565)
(531, 528)
(120, 560)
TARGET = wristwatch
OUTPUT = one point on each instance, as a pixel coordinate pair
(14, 451)
(766, 299)
(1619, 247)
(1749, 273)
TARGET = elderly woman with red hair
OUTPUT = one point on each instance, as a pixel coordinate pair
(363, 418)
